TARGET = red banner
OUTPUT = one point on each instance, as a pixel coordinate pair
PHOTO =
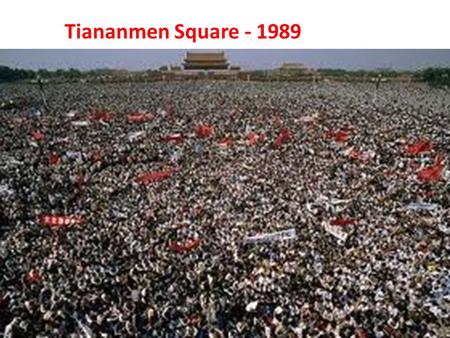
(154, 176)
(178, 137)
(58, 221)
(37, 135)
(204, 131)
(102, 116)
(185, 247)
(342, 222)
(433, 173)
(54, 159)
(283, 137)
(253, 138)
(139, 117)
(340, 136)
(226, 142)
(419, 147)
(356, 154)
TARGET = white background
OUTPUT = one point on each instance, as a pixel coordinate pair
(325, 23)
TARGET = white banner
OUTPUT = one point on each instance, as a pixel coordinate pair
(272, 237)
(335, 231)
(423, 206)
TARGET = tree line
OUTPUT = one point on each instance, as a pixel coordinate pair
(436, 77)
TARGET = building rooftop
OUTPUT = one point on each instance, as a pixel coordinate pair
(203, 60)
(206, 57)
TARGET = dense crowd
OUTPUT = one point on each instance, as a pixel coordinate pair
(112, 226)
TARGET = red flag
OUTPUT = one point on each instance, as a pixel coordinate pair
(186, 247)
(154, 176)
(226, 142)
(139, 117)
(433, 173)
(58, 221)
(178, 137)
(341, 136)
(283, 137)
(419, 147)
(37, 135)
(54, 159)
(356, 154)
(253, 138)
(342, 222)
(102, 116)
(204, 131)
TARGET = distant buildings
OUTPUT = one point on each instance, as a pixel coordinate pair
(216, 66)
(296, 67)
(197, 65)
(205, 61)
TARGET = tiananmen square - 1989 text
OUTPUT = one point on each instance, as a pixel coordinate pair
(194, 34)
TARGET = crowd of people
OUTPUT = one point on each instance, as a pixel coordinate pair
(224, 209)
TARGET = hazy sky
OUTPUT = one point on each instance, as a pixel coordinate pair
(247, 59)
